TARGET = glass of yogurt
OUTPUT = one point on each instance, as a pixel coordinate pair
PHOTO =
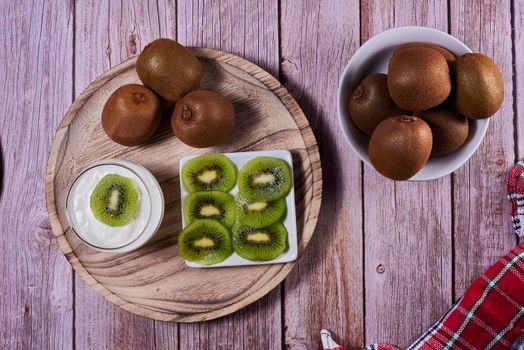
(107, 238)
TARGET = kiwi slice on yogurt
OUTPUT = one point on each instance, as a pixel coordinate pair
(115, 200)
(209, 172)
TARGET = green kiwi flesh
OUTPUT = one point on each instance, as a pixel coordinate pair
(115, 200)
(209, 172)
(259, 214)
(206, 242)
(259, 244)
(210, 205)
(264, 179)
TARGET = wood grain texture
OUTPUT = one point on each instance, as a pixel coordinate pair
(107, 33)
(249, 29)
(36, 307)
(39, 309)
(325, 289)
(483, 230)
(408, 250)
(153, 281)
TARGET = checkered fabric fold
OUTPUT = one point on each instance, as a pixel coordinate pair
(515, 191)
(490, 315)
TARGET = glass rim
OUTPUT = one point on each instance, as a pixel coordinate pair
(71, 226)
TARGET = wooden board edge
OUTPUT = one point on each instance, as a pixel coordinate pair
(311, 148)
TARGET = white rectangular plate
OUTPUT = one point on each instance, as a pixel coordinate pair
(290, 222)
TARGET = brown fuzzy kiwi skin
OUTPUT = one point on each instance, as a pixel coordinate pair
(479, 87)
(400, 146)
(370, 103)
(418, 78)
(169, 69)
(131, 115)
(449, 129)
(203, 118)
(450, 58)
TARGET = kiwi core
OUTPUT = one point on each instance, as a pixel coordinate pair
(204, 243)
(114, 200)
(209, 210)
(258, 237)
(208, 176)
(257, 206)
(263, 178)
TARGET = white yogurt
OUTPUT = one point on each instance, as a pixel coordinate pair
(104, 237)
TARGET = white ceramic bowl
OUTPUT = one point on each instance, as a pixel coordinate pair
(373, 57)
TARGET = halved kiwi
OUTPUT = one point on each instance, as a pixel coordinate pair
(206, 242)
(259, 244)
(259, 214)
(210, 205)
(209, 172)
(115, 200)
(264, 179)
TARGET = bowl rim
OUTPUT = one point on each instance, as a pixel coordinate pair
(344, 123)
(151, 227)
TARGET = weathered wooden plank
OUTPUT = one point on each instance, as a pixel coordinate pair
(36, 309)
(408, 225)
(248, 29)
(482, 228)
(108, 33)
(326, 287)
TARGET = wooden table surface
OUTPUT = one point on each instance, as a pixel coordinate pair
(387, 259)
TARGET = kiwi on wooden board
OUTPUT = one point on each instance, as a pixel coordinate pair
(115, 200)
(206, 242)
(370, 103)
(479, 86)
(449, 129)
(209, 172)
(131, 115)
(265, 179)
(259, 244)
(169, 69)
(210, 205)
(418, 78)
(450, 58)
(203, 118)
(259, 214)
(400, 147)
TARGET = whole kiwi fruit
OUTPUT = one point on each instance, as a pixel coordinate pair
(400, 146)
(131, 114)
(418, 78)
(479, 86)
(203, 118)
(450, 58)
(169, 69)
(370, 103)
(449, 128)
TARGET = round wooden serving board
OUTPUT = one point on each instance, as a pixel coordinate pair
(154, 281)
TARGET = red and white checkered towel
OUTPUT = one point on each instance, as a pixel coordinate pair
(490, 315)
